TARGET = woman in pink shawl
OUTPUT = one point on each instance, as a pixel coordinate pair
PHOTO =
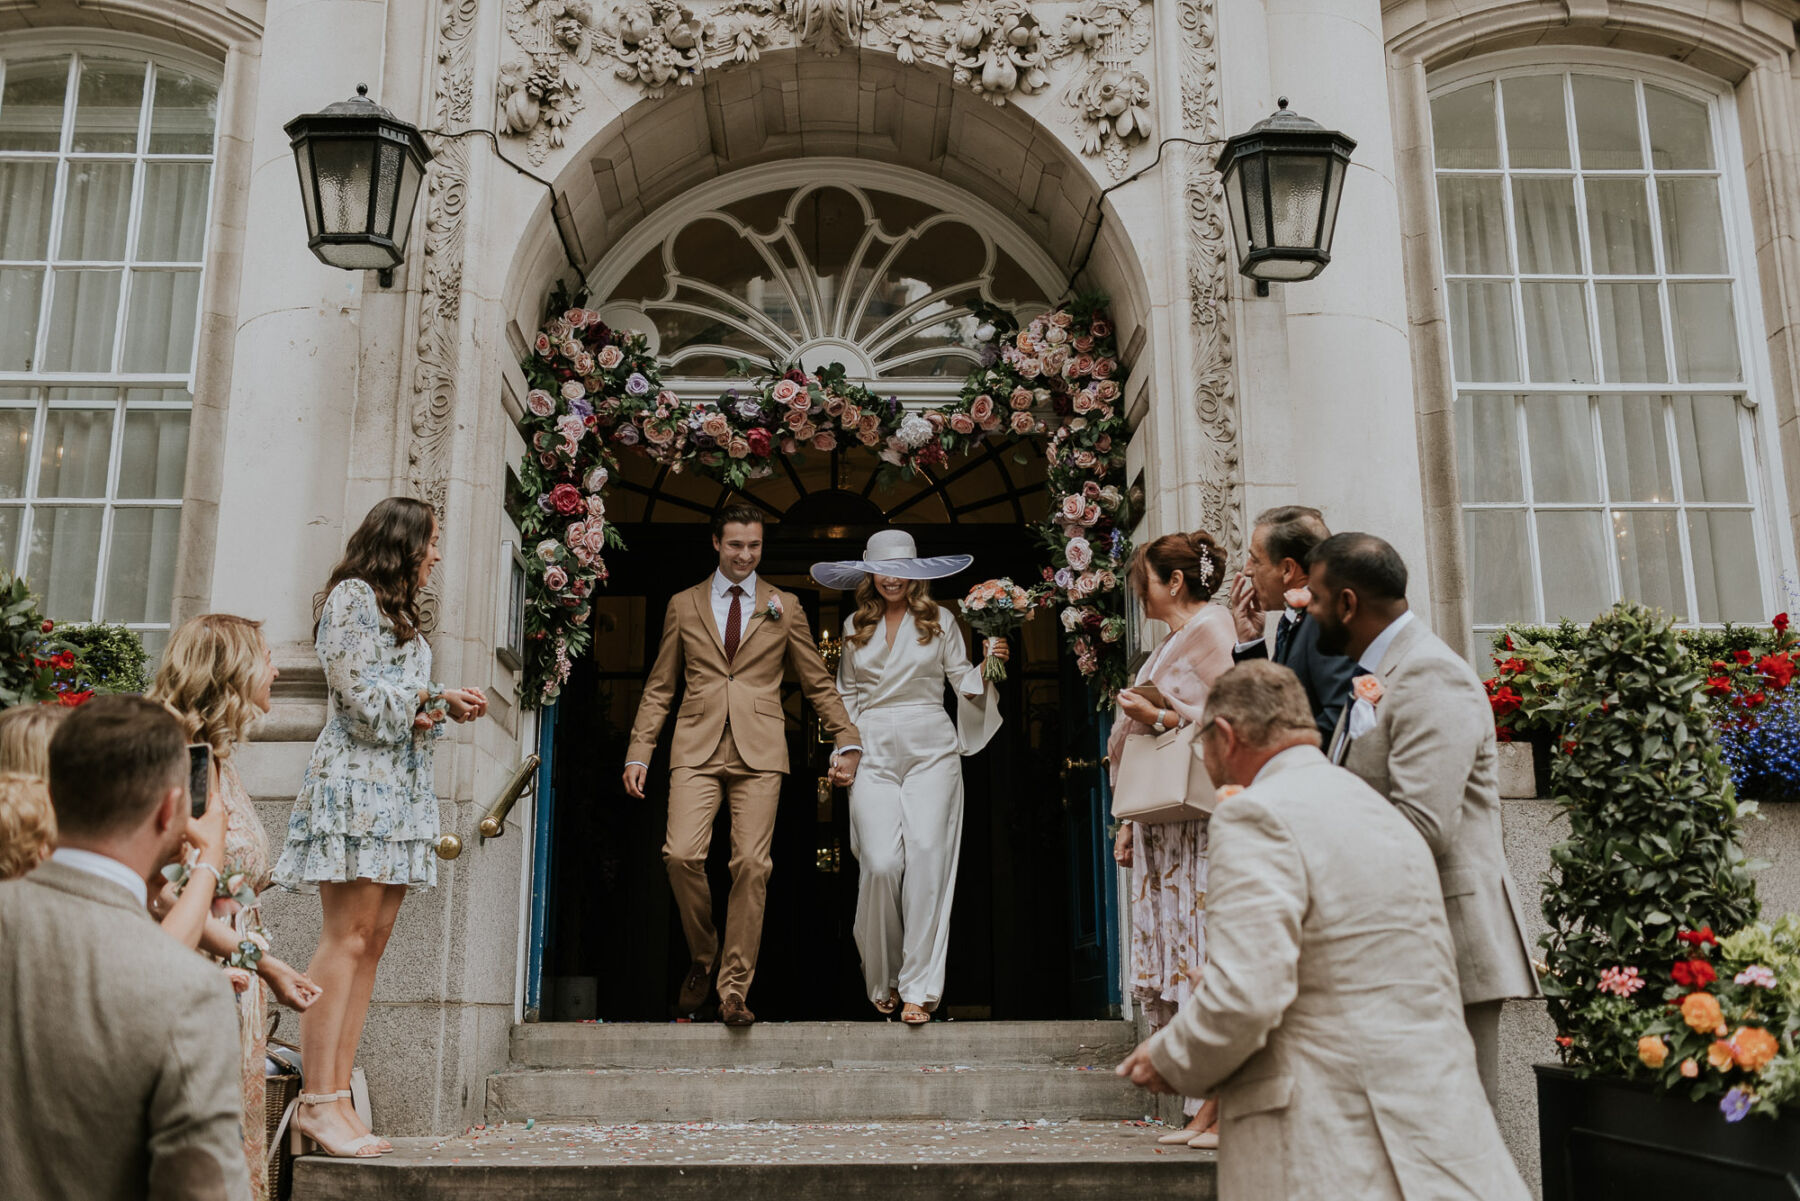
(1174, 578)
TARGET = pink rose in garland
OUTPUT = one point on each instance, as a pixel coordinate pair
(540, 403)
(555, 579)
(567, 500)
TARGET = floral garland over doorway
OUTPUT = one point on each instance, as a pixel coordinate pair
(596, 393)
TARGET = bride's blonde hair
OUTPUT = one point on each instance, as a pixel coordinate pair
(870, 606)
(211, 672)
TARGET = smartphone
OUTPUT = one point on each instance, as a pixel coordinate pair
(199, 776)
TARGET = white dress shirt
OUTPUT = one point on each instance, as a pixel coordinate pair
(1362, 713)
(106, 867)
(1288, 617)
(721, 601)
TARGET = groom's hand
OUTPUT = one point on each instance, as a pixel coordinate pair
(1140, 1071)
(843, 772)
(635, 774)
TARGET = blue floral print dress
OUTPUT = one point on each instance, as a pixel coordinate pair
(367, 809)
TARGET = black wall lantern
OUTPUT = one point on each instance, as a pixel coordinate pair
(1283, 180)
(360, 170)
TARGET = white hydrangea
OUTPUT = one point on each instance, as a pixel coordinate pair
(914, 431)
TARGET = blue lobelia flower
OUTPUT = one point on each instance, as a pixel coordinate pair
(1735, 1104)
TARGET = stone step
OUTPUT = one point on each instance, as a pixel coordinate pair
(892, 1092)
(907, 1161)
(815, 1044)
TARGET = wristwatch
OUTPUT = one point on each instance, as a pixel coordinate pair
(1159, 727)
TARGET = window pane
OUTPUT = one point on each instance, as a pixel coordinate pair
(1705, 327)
(140, 569)
(1549, 238)
(26, 192)
(1680, 135)
(10, 517)
(1462, 128)
(1619, 227)
(1712, 451)
(74, 456)
(1487, 449)
(153, 458)
(1636, 443)
(159, 331)
(31, 104)
(172, 216)
(96, 211)
(1693, 231)
(21, 292)
(64, 560)
(1573, 551)
(84, 319)
(1472, 215)
(182, 114)
(109, 101)
(1556, 334)
(1561, 433)
(1649, 549)
(1537, 127)
(1631, 342)
(1726, 581)
(15, 456)
(1499, 566)
(1606, 122)
(1482, 337)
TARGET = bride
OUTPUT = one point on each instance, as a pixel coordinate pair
(906, 805)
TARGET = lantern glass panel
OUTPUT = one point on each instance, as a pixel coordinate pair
(359, 256)
(1252, 176)
(388, 156)
(308, 197)
(1280, 270)
(1334, 192)
(1297, 195)
(410, 177)
(342, 167)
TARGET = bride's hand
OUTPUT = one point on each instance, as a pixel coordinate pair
(1137, 708)
(996, 648)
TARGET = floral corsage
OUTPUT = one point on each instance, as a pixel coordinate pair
(232, 886)
(435, 706)
(773, 610)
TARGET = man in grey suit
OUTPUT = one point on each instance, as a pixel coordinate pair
(1274, 571)
(119, 1061)
(1421, 733)
(1328, 1018)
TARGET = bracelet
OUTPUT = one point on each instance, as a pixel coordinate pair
(201, 863)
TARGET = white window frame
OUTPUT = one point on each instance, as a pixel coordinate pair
(36, 385)
(1758, 431)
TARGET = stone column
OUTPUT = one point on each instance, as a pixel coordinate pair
(1351, 429)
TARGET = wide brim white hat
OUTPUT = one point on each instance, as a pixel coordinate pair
(889, 552)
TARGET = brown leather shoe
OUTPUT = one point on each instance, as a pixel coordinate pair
(733, 1012)
(695, 989)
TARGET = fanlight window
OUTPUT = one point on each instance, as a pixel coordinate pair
(824, 273)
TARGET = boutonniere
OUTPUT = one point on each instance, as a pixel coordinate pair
(1367, 688)
(773, 610)
(1225, 792)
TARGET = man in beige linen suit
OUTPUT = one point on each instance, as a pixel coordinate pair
(1328, 1019)
(119, 1064)
(729, 640)
(1423, 737)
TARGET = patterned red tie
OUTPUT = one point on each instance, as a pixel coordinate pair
(734, 623)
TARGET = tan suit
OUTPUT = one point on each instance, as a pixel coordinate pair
(1431, 752)
(119, 1064)
(730, 746)
(1328, 1019)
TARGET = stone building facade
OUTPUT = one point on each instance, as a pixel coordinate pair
(1553, 358)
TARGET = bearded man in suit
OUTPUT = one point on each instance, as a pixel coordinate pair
(1274, 580)
(119, 1062)
(1419, 730)
(729, 640)
(1328, 1017)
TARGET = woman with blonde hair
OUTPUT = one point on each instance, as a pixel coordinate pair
(216, 675)
(27, 824)
(906, 803)
(25, 732)
(1174, 578)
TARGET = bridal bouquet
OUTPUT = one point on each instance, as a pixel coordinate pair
(994, 609)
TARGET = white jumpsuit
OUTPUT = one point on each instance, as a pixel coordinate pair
(906, 806)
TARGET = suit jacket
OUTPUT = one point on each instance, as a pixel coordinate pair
(747, 690)
(1326, 678)
(1328, 1019)
(1431, 752)
(119, 1057)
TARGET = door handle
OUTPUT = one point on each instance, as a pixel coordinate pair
(1074, 764)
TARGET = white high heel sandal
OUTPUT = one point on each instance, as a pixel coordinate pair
(344, 1094)
(365, 1146)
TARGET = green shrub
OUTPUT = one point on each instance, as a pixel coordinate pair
(113, 657)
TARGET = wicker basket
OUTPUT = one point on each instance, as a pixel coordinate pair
(278, 1091)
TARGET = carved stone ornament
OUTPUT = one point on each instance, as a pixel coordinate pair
(998, 49)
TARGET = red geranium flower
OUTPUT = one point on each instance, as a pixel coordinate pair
(1698, 938)
(1718, 686)
(1780, 622)
(1743, 657)
(1693, 973)
(64, 660)
(1720, 665)
(1505, 701)
(1777, 670)
(1570, 746)
(1514, 666)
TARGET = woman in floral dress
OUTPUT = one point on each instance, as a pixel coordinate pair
(1174, 578)
(216, 675)
(364, 824)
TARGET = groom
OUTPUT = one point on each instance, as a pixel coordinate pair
(728, 639)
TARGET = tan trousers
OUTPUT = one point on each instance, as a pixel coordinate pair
(1483, 1020)
(695, 794)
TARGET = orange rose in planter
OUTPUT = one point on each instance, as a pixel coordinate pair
(1753, 1047)
(1653, 1051)
(1721, 1056)
(1700, 1010)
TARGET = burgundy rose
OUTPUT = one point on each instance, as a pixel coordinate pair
(567, 500)
(758, 440)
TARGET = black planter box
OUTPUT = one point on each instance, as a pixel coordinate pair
(1606, 1139)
